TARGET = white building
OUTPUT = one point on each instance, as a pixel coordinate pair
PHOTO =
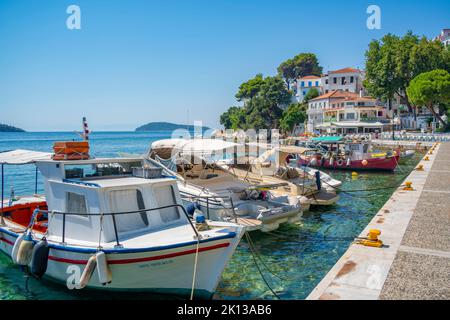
(341, 111)
(444, 37)
(347, 79)
(305, 84)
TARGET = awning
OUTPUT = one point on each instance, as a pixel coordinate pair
(17, 157)
(294, 149)
(193, 145)
(329, 139)
(357, 124)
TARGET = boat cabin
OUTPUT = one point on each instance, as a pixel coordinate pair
(79, 191)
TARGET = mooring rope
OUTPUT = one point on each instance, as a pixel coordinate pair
(260, 272)
(195, 268)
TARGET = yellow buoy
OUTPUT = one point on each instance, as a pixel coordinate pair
(373, 234)
(372, 239)
(408, 186)
(354, 174)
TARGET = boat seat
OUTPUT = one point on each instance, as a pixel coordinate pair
(292, 173)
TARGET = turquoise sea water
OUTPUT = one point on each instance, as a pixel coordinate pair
(292, 259)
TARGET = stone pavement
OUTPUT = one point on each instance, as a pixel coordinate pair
(414, 262)
(421, 268)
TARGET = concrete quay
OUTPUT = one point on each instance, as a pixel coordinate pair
(414, 262)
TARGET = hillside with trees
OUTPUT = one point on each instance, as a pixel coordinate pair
(165, 126)
(267, 101)
(393, 61)
(7, 128)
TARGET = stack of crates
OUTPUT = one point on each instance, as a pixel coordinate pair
(71, 150)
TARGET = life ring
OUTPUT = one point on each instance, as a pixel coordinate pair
(340, 162)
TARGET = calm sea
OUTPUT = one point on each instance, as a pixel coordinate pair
(292, 259)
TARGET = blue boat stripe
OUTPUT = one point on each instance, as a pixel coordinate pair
(229, 235)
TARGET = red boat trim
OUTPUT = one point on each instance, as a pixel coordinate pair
(7, 241)
(134, 260)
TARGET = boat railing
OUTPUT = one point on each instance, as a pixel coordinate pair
(113, 215)
(207, 200)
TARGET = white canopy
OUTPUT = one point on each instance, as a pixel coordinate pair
(193, 145)
(19, 156)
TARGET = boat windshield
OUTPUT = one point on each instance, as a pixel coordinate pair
(107, 169)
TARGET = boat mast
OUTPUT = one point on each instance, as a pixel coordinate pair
(85, 133)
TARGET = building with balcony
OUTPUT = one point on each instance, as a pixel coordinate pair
(341, 111)
(346, 79)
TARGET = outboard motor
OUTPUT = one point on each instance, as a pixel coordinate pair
(318, 181)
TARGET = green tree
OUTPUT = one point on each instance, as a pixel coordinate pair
(233, 118)
(301, 65)
(431, 89)
(250, 88)
(263, 101)
(392, 62)
(311, 94)
(293, 115)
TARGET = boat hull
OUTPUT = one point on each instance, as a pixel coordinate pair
(216, 210)
(374, 164)
(159, 269)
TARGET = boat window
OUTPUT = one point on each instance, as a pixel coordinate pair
(141, 205)
(127, 201)
(366, 148)
(107, 169)
(165, 196)
(76, 203)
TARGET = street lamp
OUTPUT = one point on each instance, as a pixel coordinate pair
(394, 122)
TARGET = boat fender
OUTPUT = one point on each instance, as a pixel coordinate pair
(190, 208)
(199, 217)
(104, 273)
(16, 246)
(313, 161)
(88, 270)
(318, 180)
(348, 162)
(39, 258)
(25, 250)
(331, 161)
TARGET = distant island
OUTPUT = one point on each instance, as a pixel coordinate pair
(6, 128)
(165, 126)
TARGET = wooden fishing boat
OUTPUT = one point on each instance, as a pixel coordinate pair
(272, 168)
(114, 224)
(220, 194)
(341, 154)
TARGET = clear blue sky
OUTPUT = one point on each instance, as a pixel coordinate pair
(134, 62)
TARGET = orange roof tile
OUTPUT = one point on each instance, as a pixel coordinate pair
(339, 94)
(345, 70)
(309, 77)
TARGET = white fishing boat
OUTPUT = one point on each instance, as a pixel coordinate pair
(219, 194)
(272, 168)
(291, 158)
(114, 224)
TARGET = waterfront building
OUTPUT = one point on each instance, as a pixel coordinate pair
(341, 111)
